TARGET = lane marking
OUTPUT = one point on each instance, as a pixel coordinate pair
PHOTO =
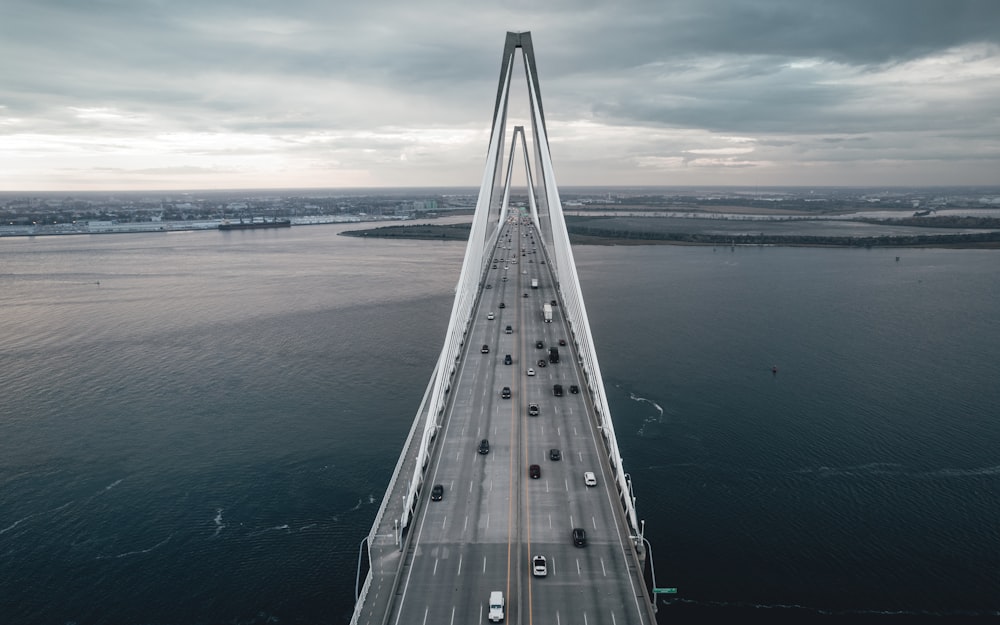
(453, 615)
(603, 570)
(466, 526)
(484, 564)
(594, 521)
(425, 614)
(578, 571)
(435, 572)
(460, 556)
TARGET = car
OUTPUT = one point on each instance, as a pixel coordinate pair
(485, 349)
(489, 286)
(539, 345)
(539, 566)
(541, 262)
(532, 410)
(505, 392)
(502, 305)
(573, 388)
(507, 360)
(557, 390)
(543, 363)
(554, 303)
(531, 372)
(490, 317)
(579, 537)
(562, 342)
(589, 478)
(484, 446)
(494, 266)
(504, 278)
(555, 455)
(508, 330)
(534, 471)
(525, 295)
(437, 493)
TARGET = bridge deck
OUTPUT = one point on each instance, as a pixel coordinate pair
(493, 518)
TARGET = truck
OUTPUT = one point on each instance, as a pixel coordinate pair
(547, 312)
(496, 606)
(534, 283)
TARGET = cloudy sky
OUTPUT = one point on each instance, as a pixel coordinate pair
(197, 94)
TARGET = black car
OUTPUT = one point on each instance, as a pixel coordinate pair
(489, 286)
(539, 345)
(485, 349)
(579, 537)
(505, 393)
(555, 454)
(542, 363)
(532, 410)
(562, 342)
(484, 446)
(437, 493)
(557, 390)
(534, 471)
(502, 305)
(525, 295)
(507, 360)
(573, 388)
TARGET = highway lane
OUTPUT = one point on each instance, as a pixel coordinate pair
(493, 517)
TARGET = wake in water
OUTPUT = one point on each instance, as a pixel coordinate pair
(113, 484)
(140, 551)
(218, 522)
(270, 529)
(658, 419)
(31, 516)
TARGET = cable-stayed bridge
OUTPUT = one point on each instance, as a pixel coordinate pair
(512, 454)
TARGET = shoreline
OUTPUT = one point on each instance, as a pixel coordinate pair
(460, 232)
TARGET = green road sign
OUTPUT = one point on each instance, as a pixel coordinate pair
(665, 591)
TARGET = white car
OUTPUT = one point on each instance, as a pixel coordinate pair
(539, 567)
(589, 478)
(490, 316)
(531, 372)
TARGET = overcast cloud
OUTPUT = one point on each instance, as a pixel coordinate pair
(189, 94)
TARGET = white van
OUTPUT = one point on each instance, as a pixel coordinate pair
(496, 606)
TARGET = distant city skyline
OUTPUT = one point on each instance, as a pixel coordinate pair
(227, 95)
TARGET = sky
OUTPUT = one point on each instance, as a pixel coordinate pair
(228, 94)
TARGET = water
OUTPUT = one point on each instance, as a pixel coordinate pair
(198, 427)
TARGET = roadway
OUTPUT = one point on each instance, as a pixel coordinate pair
(492, 518)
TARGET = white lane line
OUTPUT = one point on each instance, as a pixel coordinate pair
(546, 485)
(435, 567)
(578, 572)
(460, 556)
(566, 482)
(487, 521)
(425, 614)
(444, 522)
(484, 569)
(491, 486)
(557, 615)
(559, 431)
(574, 430)
(550, 521)
(614, 621)
(571, 524)
(585, 618)
(603, 570)
(581, 455)
(466, 526)
(593, 521)
(453, 615)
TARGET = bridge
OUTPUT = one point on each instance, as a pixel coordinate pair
(512, 454)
